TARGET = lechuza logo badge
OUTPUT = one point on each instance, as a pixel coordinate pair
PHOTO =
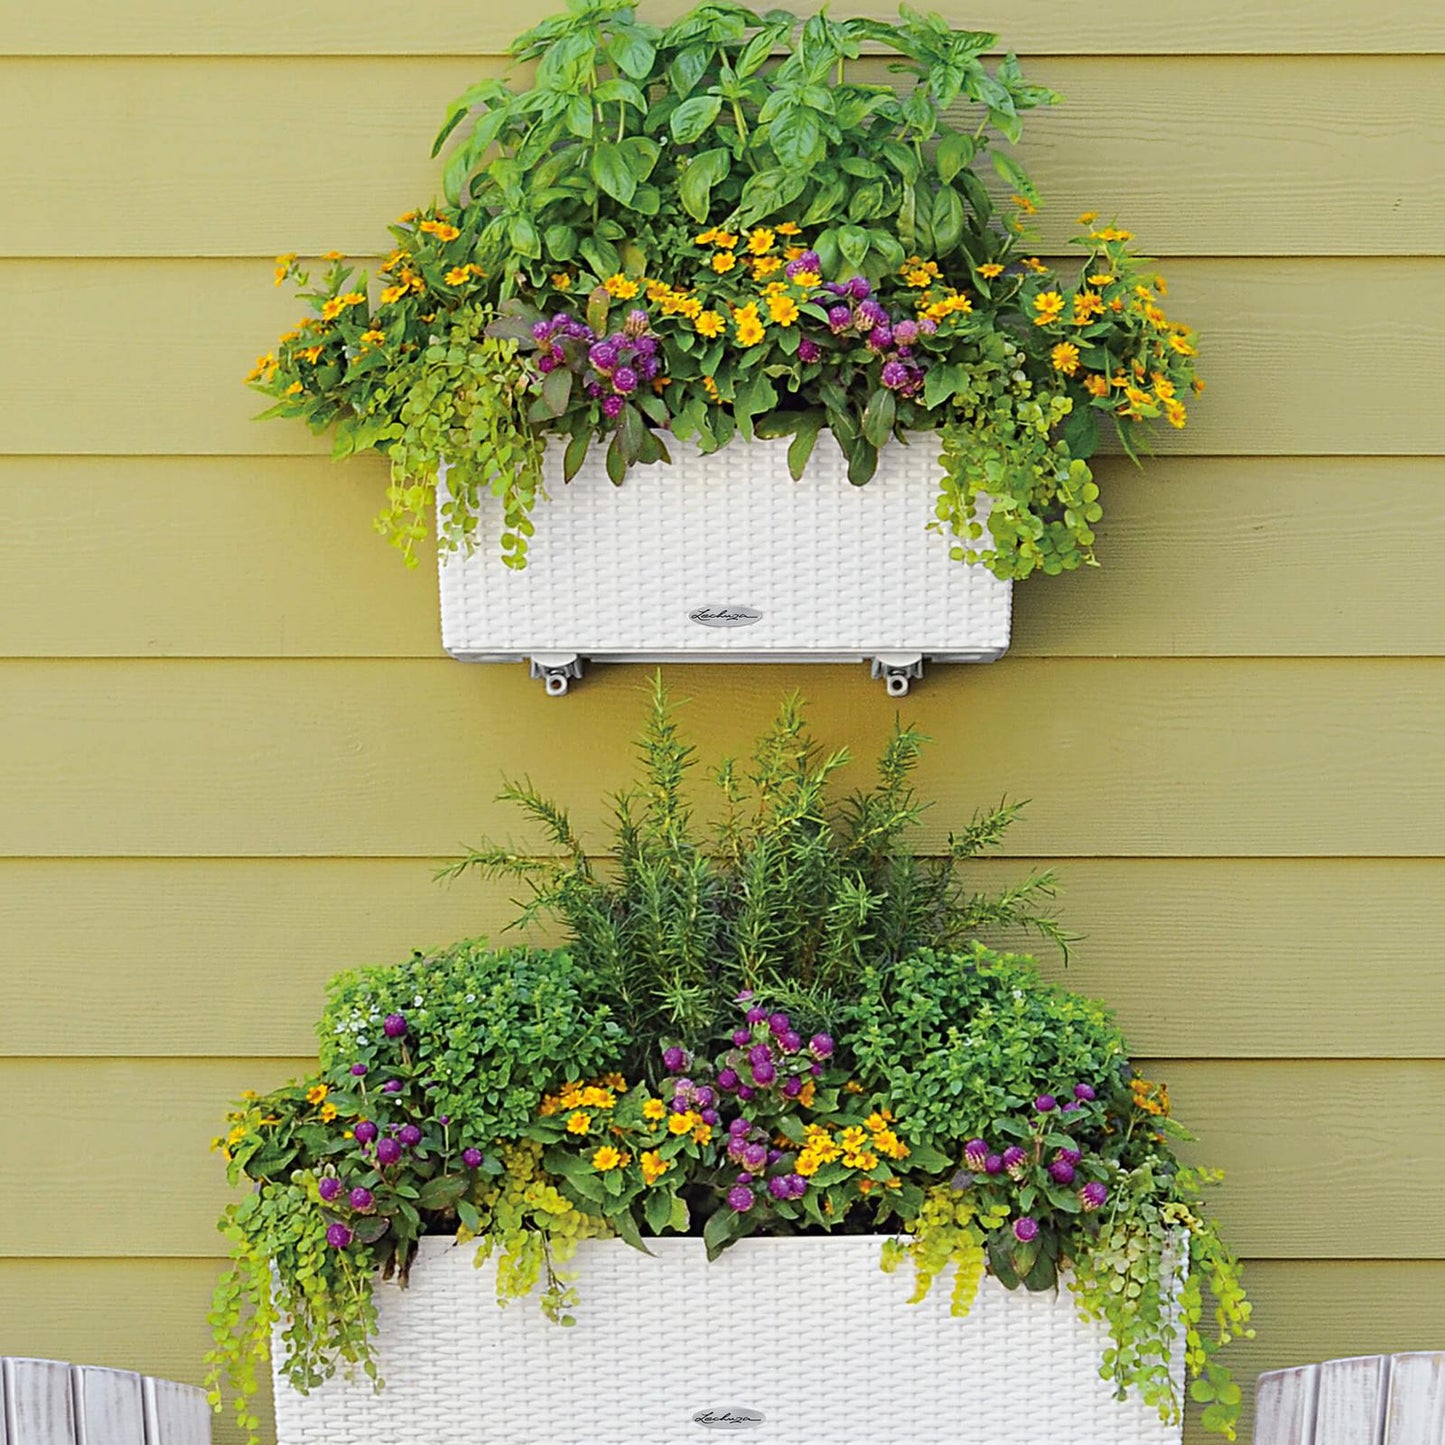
(732, 1418)
(725, 616)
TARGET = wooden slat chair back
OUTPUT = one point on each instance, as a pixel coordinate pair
(1371, 1400)
(45, 1402)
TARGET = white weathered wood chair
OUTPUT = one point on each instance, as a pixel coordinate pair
(1371, 1400)
(45, 1402)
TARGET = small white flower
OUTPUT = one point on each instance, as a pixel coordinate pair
(471, 998)
(362, 1039)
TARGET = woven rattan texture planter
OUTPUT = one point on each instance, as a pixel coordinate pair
(807, 1333)
(810, 571)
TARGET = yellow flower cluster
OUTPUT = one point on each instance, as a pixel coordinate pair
(654, 1166)
(441, 228)
(1149, 1098)
(609, 1158)
(337, 304)
(935, 300)
(577, 1095)
(459, 275)
(858, 1146)
(690, 1122)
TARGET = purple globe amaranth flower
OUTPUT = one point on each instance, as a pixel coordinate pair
(809, 351)
(625, 380)
(727, 1079)
(743, 995)
(879, 339)
(612, 407)
(674, 1059)
(1046, 1103)
(603, 355)
(1015, 1161)
(1026, 1229)
(365, 1132)
(745, 1178)
(779, 1187)
(704, 1097)
(756, 1015)
(905, 333)
(394, 1026)
(1093, 1195)
(472, 1158)
(592, 389)
(816, 1070)
(975, 1154)
(764, 1074)
(1072, 1107)
(360, 1198)
(338, 1236)
(1069, 1155)
(760, 1054)
(444, 1119)
(755, 1156)
(392, 1086)
(774, 1155)
(838, 288)
(904, 352)
(779, 1022)
(821, 1046)
(709, 1116)
(873, 314)
(329, 1188)
(744, 1092)
(928, 326)
(894, 375)
(358, 1070)
(740, 1125)
(1085, 1092)
(790, 1041)
(409, 1135)
(993, 1164)
(742, 1037)
(861, 288)
(636, 322)
(740, 1198)
(547, 363)
(388, 1151)
(542, 330)
(840, 318)
(792, 1087)
(1061, 1171)
(799, 1185)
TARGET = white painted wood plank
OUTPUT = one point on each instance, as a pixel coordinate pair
(176, 1414)
(1416, 1414)
(1284, 1406)
(39, 1409)
(109, 1409)
(1350, 1408)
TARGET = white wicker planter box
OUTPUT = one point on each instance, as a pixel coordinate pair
(724, 558)
(808, 1334)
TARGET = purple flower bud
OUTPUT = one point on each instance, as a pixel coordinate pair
(444, 1119)
(1093, 1195)
(816, 1070)
(541, 330)
(760, 1054)
(993, 1164)
(740, 1126)
(792, 1087)
(1061, 1171)
(799, 1184)
(873, 314)
(743, 995)
(1069, 1156)
(727, 1079)
(547, 364)
(742, 1037)
(975, 1153)
(329, 1188)
(704, 1097)
(472, 1158)
(388, 1151)
(755, 1156)
(679, 1104)
(879, 339)
(625, 380)
(840, 318)
(636, 322)
(394, 1025)
(358, 1070)
(779, 1187)
(780, 1023)
(392, 1086)
(709, 1116)
(365, 1132)
(674, 1060)
(603, 355)
(338, 1236)
(838, 288)
(756, 1015)
(744, 1092)
(906, 333)
(764, 1074)
(790, 1041)
(360, 1198)
(861, 288)
(894, 375)
(1026, 1229)
(1072, 1107)
(593, 389)
(1085, 1092)
(612, 407)
(903, 351)
(409, 1135)
(821, 1046)
(745, 1177)
(774, 1155)
(928, 326)
(809, 351)
(740, 1198)
(1046, 1103)
(1015, 1161)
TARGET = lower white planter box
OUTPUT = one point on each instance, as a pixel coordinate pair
(724, 558)
(800, 1340)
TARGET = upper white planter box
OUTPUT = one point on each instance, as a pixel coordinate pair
(724, 558)
(802, 1340)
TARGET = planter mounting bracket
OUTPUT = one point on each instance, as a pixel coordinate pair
(556, 669)
(897, 669)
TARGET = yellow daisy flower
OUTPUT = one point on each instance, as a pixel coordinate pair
(723, 262)
(609, 1158)
(1065, 357)
(761, 241)
(748, 324)
(1047, 307)
(990, 269)
(783, 310)
(621, 287)
(710, 323)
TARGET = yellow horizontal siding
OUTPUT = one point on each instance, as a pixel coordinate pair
(149, 1314)
(382, 759)
(1326, 155)
(1204, 958)
(148, 356)
(1206, 556)
(434, 27)
(1304, 1144)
